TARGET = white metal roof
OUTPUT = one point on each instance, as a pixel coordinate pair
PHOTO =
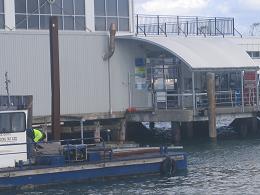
(203, 53)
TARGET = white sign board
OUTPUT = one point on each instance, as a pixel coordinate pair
(11, 153)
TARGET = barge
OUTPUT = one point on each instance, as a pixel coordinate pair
(74, 160)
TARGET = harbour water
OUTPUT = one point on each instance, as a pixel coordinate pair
(223, 167)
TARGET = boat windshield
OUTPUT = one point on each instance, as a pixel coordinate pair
(12, 122)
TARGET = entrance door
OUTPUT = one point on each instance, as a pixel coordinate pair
(164, 82)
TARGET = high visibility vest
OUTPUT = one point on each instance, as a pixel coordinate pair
(37, 135)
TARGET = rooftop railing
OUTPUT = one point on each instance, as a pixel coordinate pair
(185, 25)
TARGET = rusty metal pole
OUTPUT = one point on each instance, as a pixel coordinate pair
(211, 105)
(55, 78)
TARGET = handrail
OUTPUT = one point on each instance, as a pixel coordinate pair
(188, 25)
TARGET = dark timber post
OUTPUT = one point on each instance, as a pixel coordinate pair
(55, 77)
(211, 105)
(158, 25)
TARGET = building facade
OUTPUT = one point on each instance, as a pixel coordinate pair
(146, 72)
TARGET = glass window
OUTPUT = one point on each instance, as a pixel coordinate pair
(123, 8)
(45, 7)
(68, 22)
(1, 6)
(2, 21)
(113, 11)
(12, 122)
(57, 7)
(111, 7)
(21, 21)
(100, 23)
(44, 21)
(123, 24)
(60, 22)
(110, 21)
(34, 14)
(68, 7)
(32, 6)
(33, 22)
(79, 7)
(255, 54)
(79, 22)
(20, 6)
(2, 16)
(100, 8)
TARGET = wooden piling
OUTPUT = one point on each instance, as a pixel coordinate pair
(97, 132)
(176, 132)
(55, 77)
(211, 105)
(122, 132)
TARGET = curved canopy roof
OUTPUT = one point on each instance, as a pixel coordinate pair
(203, 53)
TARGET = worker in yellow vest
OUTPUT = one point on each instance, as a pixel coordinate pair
(36, 136)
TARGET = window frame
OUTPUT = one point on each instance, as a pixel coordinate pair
(11, 115)
(62, 15)
(2, 14)
(118, 17)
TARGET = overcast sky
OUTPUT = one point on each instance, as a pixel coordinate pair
(245, 12)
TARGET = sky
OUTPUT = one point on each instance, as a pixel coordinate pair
(245, 12)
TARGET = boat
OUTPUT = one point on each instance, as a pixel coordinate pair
(74, 160)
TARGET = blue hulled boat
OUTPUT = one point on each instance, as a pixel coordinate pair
(67, 161)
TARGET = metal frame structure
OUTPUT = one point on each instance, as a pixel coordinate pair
(185, 25)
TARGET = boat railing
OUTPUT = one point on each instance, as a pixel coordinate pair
(67, 148)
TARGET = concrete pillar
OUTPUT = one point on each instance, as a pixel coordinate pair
(151, 125)
(97, 131)
(211, 105)
(176, 132)
(122, 131)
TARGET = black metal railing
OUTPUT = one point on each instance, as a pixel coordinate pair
(185, 25)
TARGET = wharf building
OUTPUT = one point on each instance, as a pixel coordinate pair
(157, 73)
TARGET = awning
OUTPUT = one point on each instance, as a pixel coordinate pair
(202, 53)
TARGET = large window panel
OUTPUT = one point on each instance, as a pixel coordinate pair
(2, 21)
(32, 6)
(34, 14)
(111, 7)
(68, 22)
(1, 6)
(57, 7)
(21, 21)
(123, 24)
(60, 22)
(20, 6)
(123, 8)
(114, 11)
(100, 23)
(79, 22)
(79, 7)
(110, 21)
(2, 16)
(45, 7)
(100, 8)
(44, 21)
(68, 7)
(33, 22)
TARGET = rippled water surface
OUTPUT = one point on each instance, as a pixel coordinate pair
(225, 167)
